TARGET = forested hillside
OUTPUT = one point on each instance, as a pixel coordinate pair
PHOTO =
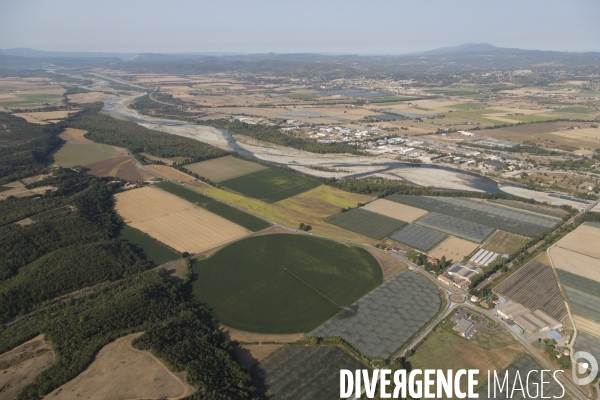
(147, 302)
(106, 129)
(25, 147)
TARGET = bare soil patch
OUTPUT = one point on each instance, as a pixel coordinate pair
(576, 263)
(174, 221)
(120, 372)
(123, 167)
(249, 355)
(390, 265)
(170, 173)
(44, 117)
(25, 222)
(19, 366)
(72, 135)
(454, 249)
(19, 190)
(260, 338)
(583, 240)
(395, 210)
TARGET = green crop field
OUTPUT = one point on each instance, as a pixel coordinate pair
(464, 106)
(150, 249)
(271, 185)
(224, 210)
(366, 223)
(70, 155)
(283, 283)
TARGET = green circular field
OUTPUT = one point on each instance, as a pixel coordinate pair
(283, 283)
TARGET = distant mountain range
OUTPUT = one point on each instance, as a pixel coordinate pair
(460, 49)
(465, 57)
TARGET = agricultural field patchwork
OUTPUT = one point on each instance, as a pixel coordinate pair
(301, 372)
(534, 286)
(224, 168)
(512, 220)
(395, 210)
(417, 237)
(309, 208)
(381, 322)
(271, 185)
(456, 226)
(175, 222)
(283, 283)
(366, 223)
(505, 242)
(70, 155)
(150, 249)
(219, 208)
(554, 211)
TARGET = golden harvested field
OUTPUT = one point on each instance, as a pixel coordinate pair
(504, 242)
(19, 190)
(45, 116)
(585, 240)
(249, 355)
(174, 221)
(223, 168)
(91, 97)
(453, 248)
(72, 135)
(395, 210)
(170, 173)
(591, 327)
(575, 263)
(120, 372)
(23, 364)
(309, 208)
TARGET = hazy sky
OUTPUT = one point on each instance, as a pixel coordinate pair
(363, 27)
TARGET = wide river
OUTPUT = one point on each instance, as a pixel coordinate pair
(116, 108)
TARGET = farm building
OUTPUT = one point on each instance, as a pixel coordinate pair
(462, 326)
(445, 280)
(462, 283)
(464, 271)
(483, 257)
(531, 322)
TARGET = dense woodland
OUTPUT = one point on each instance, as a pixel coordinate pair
(272, 134)
(25, 147)
(103, 128)
(176, 331)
